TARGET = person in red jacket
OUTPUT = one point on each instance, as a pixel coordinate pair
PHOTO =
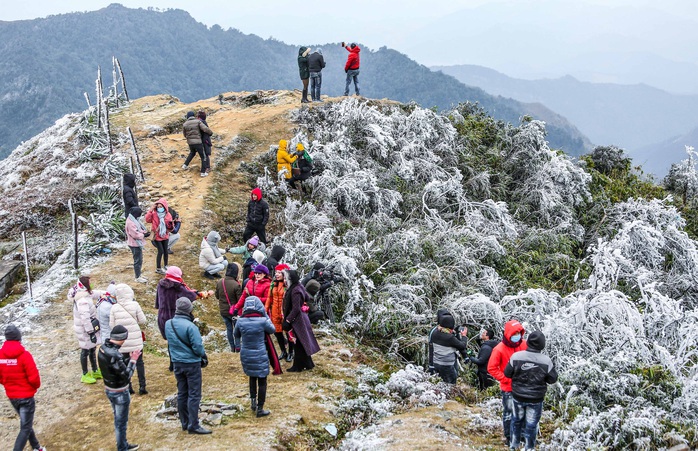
(352, 67)
(19, 375)
(512, 342)
(258, 285)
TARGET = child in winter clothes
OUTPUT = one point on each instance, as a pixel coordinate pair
(103, 307)
(161, 223)
(135, 238)
(128, 313)
(84, 312)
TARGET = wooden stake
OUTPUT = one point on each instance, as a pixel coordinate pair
(123, 79)
(26, 267)
(113, 74)
(74, 222)
(135, 152)
(98, 89)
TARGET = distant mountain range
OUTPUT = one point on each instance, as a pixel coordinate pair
(46, 65)
(642, 119)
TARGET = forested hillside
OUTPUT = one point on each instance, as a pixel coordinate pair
(169, 52)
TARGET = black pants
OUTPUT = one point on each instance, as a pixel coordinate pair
(258, 389)
(207, 152)
(137, 252)
(161, 246)
(251, 229)
(140, 368)
(282, 341)
(193, 150)
(188, 377)
(301, 360)
(297, 178)
(25, 407)
(84, 353)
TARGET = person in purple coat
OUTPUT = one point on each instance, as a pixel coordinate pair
(171, 288)
(295, 319)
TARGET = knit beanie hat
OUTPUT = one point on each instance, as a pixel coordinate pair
(536, 341)
(254, 241)
(12, 333)
(136, 212)
(174, 271)
(281, 267)
(183, 305)
(118, 333)
(447, 321)
(261, 269)
(190, 114)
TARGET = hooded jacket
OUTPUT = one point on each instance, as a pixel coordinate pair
(503, 352)
(128, 313)
(530, 373)
(103, 307)
(284, 159)
(257, 210)
(184, 340)
(353, 60)
(316, 62)
(152, 218)
(134, 232)
(483, 356)
(274, 303)
(251, 328)
(192, 130)
(209, 246)
(129, 193)
(303, 62)
(83, 312)
(232, 288)
(166, 296)
(18, 372)
(275, 256)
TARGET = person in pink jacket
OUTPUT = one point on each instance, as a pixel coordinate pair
(135, 238)
(161, 224)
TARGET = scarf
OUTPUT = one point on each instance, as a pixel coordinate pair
(180, 280)
(141, 228)
(162, 229)
(75, 289)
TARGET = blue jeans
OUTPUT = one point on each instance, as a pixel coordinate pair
(525, 419)
(25, 407)
(507, 411)
(188, 377)
(120, 403)
(229, 327)
(315, 85)
(218, 267)
(352, 74)
(447, 373)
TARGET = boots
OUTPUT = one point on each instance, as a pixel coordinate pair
(305, 97)
(253, 404)
(283, 356)
(262, 413)
(289, 357)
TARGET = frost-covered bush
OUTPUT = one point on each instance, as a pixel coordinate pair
(682, 179)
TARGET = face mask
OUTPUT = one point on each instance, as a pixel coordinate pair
(515, 338)
(160, 209)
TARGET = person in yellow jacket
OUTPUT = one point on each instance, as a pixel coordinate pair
(284, 159)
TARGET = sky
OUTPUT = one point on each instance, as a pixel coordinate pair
(596, 40)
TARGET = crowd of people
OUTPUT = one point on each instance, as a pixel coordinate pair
(311, 63)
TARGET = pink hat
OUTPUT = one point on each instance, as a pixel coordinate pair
(174, 271)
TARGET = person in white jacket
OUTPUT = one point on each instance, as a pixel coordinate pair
(211, 258)
(82, 297)
(128, 313)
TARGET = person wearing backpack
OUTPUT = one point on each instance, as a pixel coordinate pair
(128, 313)
(228, 290)
(304, 166)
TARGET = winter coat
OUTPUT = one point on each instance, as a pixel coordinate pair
(234, 290)
(134, 233)
(115, 372)
(205, 137)
(103, 307)
(129, 193)
(284, 159)
(253, 288)
(303, 62)
(128, 313)
(275, 256)
(305, 167)
(83, 312)
(503, 352)
(18, 372)
(188, 349)
(192, 130)
(151, 217)
(299, 320)
(445, 344)
(483, 356)
(251, 328)
(530, 373)
(257, 210)
(316, 62)
(207, 256)
(245, 251)
(275, 302)
(353, 60)
(166, 296)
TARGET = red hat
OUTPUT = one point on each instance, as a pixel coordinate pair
(281, 267)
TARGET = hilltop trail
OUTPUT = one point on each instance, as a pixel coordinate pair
(71, 415)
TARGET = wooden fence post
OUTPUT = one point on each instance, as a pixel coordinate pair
(74, 222)
(26, 266)
(135, 151)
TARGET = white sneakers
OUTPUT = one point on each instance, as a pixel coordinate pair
(184, 166)
(204, 174)
(142, 280)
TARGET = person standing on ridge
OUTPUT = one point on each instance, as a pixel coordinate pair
(316, 62)
(257, 217)
(129, 193)
(205, 140)
(161, 223)
(303, 53)
(352, 67)
(193, 129)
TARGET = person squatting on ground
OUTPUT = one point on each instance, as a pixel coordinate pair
(512, 342)
(205, 140)
(530, 373)
(257, 216)
(302, 168)
(274, 308)
(193, 129)
(316, 62)
(161, 223)
(129, 193)
(297, 321)
(136, 234)
(444, 344)
(128, 313)
(257, 286)
(228, 290)
(487, 344)
(84, 312)
(117, 377)
(186, 352)
(20, 377)
(352, 67)
(303, 53)
(211, 258)
(251, 329)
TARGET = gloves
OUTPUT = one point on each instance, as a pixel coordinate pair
(235, 312)
(286, 326)
(93, 337)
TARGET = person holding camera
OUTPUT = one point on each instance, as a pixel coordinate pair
(136, 234)
(487, 344)
(444, 344)
(85, 325)
(352, 67)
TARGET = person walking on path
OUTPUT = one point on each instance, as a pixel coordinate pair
(252, 329)
(297, 321)
(129, 193)
(136, 234)
(274, 307)
(228, 290)
(257, 286)
(128, 313)
(512, 342)
(257, 217)
(117, 377)
(530, 373)
(20, 377)
(84, 312)
(186, 350)
(211, 258)
(205, 140)
(161, 223)
(352, 67)
(193, 129)
(316, 62)
(303, 53)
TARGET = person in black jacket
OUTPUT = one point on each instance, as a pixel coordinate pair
(205, 140)
(304, 164)
(129, 193)
(530, 373)
(275, 256)
(117, 376)
(487, 343)
(444, 343)
(316, 62)
(257, 217)
(303, 53)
